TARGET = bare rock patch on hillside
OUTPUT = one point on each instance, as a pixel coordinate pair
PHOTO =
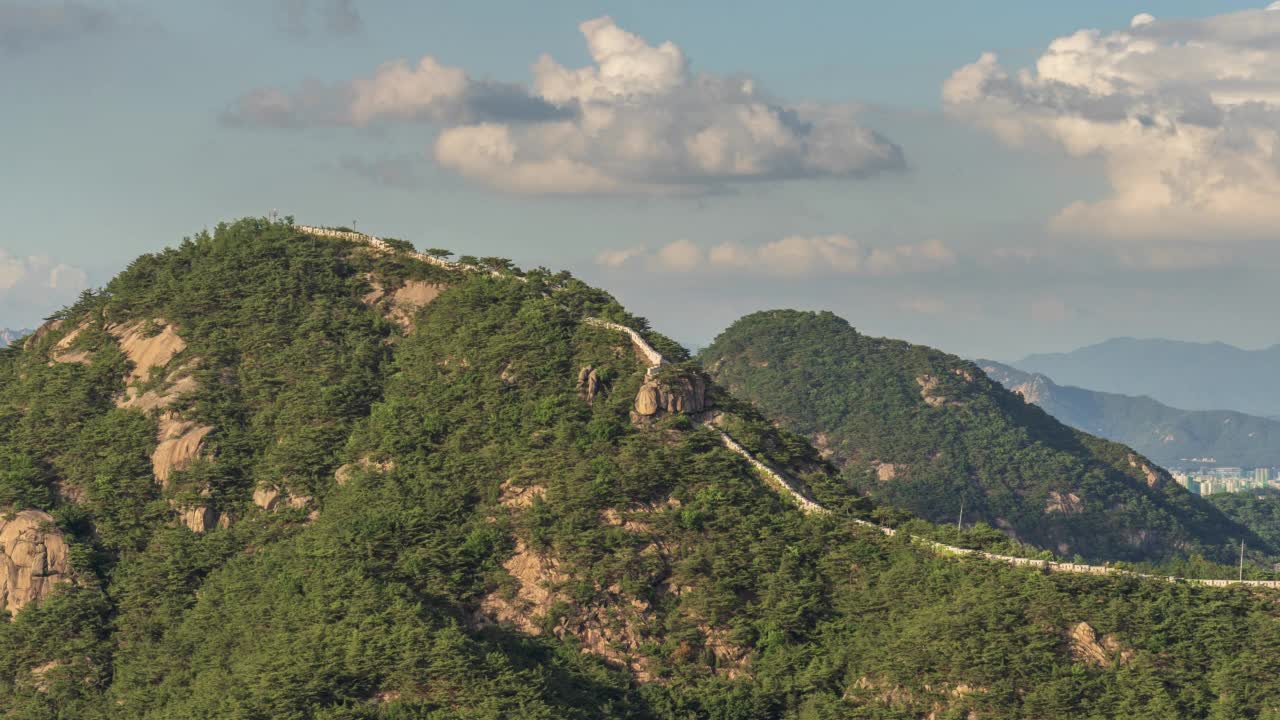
(33, 558)
(181, 442)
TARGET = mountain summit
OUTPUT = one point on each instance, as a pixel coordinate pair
(284, 472)
(929, 432)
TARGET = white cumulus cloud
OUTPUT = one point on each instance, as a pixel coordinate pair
(636, 120)
(1185, 115)
(646, 123)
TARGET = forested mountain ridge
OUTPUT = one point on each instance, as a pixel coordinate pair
(1189, 375)
(1164, 434)
(295, 477)
(919, 429)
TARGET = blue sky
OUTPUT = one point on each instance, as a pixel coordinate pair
(939, 216)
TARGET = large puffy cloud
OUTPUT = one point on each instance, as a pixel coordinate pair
(29, 25)
(791, 256)
(646, 123)
(1185, 115)
(637, 120)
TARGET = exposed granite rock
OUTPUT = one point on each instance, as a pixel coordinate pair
(1150, 473)
(588, 383)
(147, 345)
(33, 558)
(200, 518)
(41, 332)
(1066, 503)
(885, 471)
(270, 498)
(64, 352)
(929, 391)
(685, 393)
(402, 304)
(343, 474)
(180, 443)
(1089, 649)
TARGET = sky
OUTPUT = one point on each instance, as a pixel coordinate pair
(993, 178)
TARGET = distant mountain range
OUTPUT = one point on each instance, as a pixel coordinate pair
(1162, 433)
(1194, 376)
(7, 336)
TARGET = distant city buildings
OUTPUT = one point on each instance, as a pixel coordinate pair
(1211, 481)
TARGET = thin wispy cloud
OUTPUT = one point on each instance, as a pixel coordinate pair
(792, 256)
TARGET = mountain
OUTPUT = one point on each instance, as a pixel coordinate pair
(919, 429)
(8, 337)
(1166, 435)
(1194, 376)
(284, 472)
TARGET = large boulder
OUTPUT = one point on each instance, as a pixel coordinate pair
(33, 558)
(684, 393)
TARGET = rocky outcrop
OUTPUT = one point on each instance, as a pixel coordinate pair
(685, 393)
(33, 558)
(342, 475)
(886, 471)
(200, 518)
(64, 350)
(929, 391)
(402, 304)
(270, 498)
(588, 383)
(41, 333)
(1066, 503)
(147, 345)
(1087, 648)
(181, 442)
(1151, 474)
(178, 383)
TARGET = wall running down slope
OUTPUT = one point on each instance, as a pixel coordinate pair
(779, 481)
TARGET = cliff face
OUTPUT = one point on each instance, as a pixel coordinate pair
(33, 558)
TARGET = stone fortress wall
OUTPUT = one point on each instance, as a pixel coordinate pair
(788, 488)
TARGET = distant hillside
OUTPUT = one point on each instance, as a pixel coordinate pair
(1194, 376)
(8, 337)
(1164, 434)
(923, 430)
